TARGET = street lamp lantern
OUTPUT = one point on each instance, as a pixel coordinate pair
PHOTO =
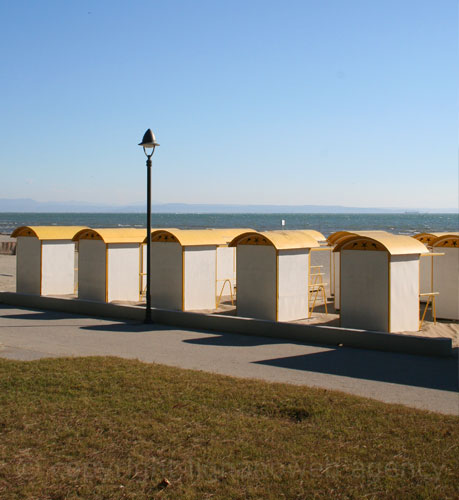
(149, 144)
(148, 141)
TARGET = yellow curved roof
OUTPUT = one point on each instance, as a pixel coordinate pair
(113, 235)
(446, 240)
(395, 244)
(420, 236)
(231, 232)
(47, 232)
(427, 238)
(191, 237)
(280, 240)
(311, 232)
(334, 238)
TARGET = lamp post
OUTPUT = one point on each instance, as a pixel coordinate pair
(149, 144)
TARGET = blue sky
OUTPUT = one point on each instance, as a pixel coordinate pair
(253, 101)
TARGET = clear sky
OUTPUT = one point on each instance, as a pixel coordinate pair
(253, 101)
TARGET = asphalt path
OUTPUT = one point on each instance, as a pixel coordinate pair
(423, 382)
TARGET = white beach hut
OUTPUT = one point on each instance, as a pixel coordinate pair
(379, 282)
(333, 240)
(273, 274)
(320, 260)
(45, 259)
(110, 264)
(184, 268)
(446, 275)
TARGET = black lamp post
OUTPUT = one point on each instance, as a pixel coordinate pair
(149, 144)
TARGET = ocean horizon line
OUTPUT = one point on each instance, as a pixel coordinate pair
(326, 223)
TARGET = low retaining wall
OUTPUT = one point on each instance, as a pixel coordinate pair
(315, 334)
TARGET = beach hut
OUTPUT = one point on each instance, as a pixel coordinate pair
(273, 274)
(184, 268)
(320, 260)
(379, 282)
(45, 262)
(426, 274)
(110, 264)
(333, 240)
(446, 275)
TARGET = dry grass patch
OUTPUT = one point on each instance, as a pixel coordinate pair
(95, 428)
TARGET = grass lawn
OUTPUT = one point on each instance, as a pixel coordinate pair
(96, 428)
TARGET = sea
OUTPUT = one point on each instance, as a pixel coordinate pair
(397, 223)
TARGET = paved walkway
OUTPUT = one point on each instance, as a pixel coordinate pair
(416, 381)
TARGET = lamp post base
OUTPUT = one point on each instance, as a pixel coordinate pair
(148, 320)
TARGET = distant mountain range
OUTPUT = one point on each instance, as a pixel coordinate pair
(29, 205)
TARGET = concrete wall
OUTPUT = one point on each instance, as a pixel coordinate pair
(28, 264)
(293, 285)
(123, 272)
(166, 275)
(365, 289)
(323, 258)
(256, 281)
(199, 280)
(58, 267)
(91, 270)
(404, 293)
(446, 281)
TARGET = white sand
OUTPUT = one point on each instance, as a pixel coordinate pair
(441, 329)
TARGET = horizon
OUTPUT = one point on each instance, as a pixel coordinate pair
(326, 223)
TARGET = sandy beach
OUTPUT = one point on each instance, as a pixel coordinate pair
(7, 273)
(429, 329)
(6, 237)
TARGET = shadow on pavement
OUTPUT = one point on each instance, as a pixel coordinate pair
(41, 315)
(121, 326)
(126, 327)
(235, 340)
(405, 369)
